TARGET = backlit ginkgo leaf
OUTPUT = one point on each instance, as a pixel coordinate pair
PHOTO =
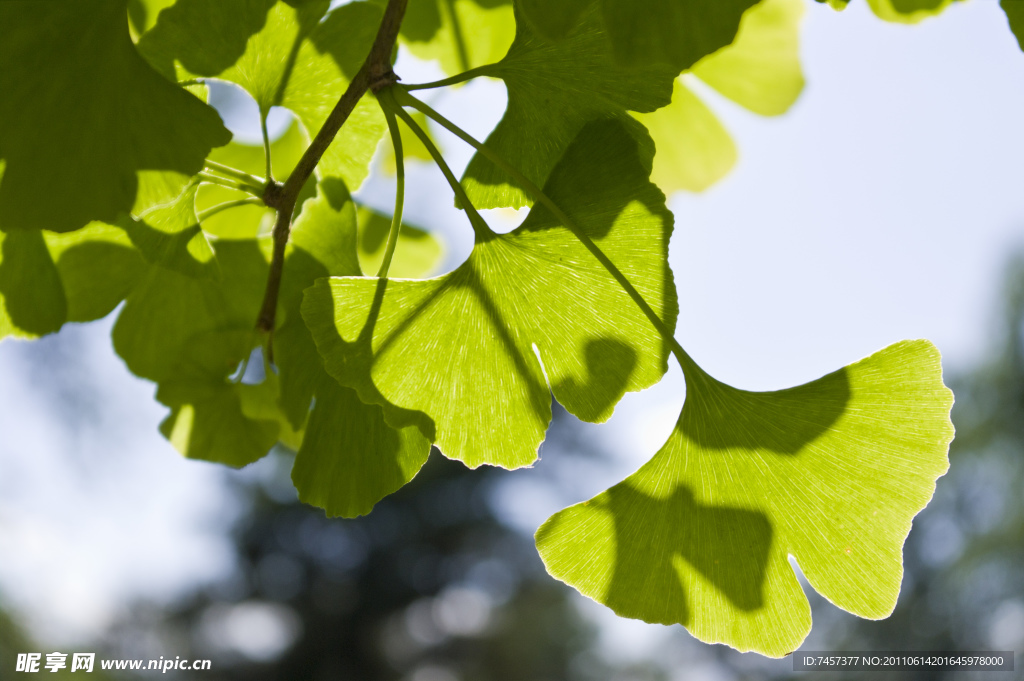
(760, 71)
(529, 313)
(82, 113)
(459, 34)
(315, 56)
(676, 32)
(555, 87)
(830, 473)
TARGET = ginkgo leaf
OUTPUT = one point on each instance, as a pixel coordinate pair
(673, 32)
(459, 34)
(760, 71)
(1015, 15)
(207, 420)
(676, 32)
(529, 313)
(831, 473)
(417, 254)
(169, 235)
(188, 328)
(82, 113)
(554, 89)
(350, 458)
(694, 150)
(98, 267)
(908, 11)
(32, 301)
(282, 55)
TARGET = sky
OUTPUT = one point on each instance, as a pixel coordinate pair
(883, 206)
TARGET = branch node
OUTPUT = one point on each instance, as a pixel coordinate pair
(273, 193)
(384, 79)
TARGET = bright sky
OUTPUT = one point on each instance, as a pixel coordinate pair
(882, 207)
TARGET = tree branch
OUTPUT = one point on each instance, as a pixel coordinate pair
(374, 74)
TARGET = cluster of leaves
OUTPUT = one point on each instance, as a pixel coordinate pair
(120, 186)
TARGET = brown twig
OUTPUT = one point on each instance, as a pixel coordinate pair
(374, 74)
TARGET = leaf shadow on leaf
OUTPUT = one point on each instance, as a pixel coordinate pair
(610, 364)
(360, 354)
(224, 30)
(728, 546)
(719, 416)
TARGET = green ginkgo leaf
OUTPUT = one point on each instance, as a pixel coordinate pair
(831, 473)
(529, 313)
(32, 300)
(672, 32)
(1015, 15)
(555, 87)
(458, 34)
(188, 326)
(82, 113)
(282, 55)
(676, 32)
(98, 267)
(760, 71)
(908, 11)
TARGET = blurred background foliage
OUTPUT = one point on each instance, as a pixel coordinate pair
(432, 586)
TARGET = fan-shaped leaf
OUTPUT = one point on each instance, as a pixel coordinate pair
(830, 473)
(527, 310)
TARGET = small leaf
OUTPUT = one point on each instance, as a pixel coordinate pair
(478, 336)
(831, 473)
(1015, 15)
(82, 113)
(554, 89)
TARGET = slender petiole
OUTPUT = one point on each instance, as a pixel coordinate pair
(460, 41)
(396, 220)
(454, 80)
(403, 98)
(479, 225)
(241, 176)
(229, 184)
(266, 145)
(220, 207)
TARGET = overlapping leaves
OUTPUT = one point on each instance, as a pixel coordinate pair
(830, 473)
(529, 313)
(188, 327)
(282, 55)
(83, 114)
(760, 71)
